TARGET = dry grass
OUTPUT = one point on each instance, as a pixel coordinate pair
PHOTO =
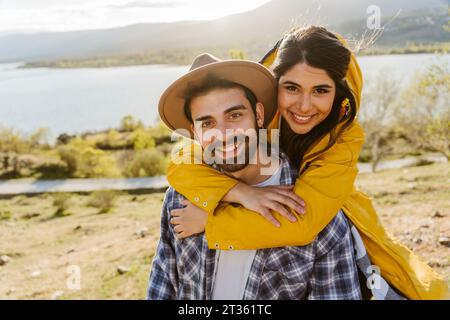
(97, 243)
(407, 201)
(43, 247)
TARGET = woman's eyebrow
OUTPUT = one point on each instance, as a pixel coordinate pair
(323, 86)
(291, 83)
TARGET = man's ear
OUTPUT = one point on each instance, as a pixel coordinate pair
(195, 133)
(259, 114)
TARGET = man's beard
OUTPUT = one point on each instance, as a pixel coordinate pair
(236, 165)
(240, 160)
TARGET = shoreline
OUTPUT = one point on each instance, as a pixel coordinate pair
(120, 61)
(10, 187)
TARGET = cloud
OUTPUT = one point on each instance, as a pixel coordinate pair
(146, 4)
(100, 14)
(85, 16)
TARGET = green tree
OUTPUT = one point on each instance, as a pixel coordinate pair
(39, 137)
(423, 111)
(376, 116)
(87, 162)
(146, 163)
(237, 54)
(128, 124)
(97, 164)
(142, 139)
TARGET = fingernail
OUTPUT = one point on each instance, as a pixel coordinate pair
(293, 219)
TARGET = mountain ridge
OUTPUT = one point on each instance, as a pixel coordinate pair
(256, 29)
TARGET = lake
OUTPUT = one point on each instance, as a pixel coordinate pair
(77, 100)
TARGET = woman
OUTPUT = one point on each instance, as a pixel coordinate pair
(319, 89)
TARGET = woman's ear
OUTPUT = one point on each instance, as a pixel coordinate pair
(259, 111)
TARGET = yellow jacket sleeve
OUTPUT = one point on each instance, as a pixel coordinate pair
(324, 183)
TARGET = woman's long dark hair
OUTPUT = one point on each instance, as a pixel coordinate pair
(319, 48)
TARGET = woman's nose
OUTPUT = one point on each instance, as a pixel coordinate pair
(304, 104)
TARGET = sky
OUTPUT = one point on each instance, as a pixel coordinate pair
(64, 15)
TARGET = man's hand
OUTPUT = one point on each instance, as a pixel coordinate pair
(189, 221)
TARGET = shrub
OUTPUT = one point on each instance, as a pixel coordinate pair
(69, 156)
(423, 110)
(103, 200)
(146, 163)
(161, 133)
(165, 148)
(96, 164)
(13, 141)
(128, 123)
(377, 115)
(113, 140)
(5, 215)
(52, 170)
(61, 201)
(142, 139)
(88, 162)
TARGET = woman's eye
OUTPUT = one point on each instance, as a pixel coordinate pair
(320, 91)
(291, 88)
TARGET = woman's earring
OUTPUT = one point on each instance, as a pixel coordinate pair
(345, 108)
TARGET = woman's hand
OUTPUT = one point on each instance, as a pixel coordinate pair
(264, 199)
(188, 221)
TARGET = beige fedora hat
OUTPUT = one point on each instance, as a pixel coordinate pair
(250, 74)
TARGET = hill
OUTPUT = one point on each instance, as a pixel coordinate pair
(253, 31)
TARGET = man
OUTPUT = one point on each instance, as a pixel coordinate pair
(239, 96)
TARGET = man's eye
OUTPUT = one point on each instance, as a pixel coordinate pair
(236, 115)
(206, 124)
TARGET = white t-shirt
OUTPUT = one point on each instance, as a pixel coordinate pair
(233, 267)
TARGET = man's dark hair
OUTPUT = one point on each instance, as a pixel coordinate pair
(209, 83)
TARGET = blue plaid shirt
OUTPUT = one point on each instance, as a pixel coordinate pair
(325, 269)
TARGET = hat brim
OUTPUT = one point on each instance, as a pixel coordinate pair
(250, 74)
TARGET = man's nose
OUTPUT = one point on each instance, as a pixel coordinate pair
(222, 131)
(217, 134)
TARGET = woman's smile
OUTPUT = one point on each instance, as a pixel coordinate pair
(301, 119)
(305, 97)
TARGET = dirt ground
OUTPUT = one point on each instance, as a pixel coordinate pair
(87, 255)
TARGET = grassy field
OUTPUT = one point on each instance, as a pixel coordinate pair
(413, 204)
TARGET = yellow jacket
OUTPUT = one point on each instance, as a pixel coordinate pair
(326, 183)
